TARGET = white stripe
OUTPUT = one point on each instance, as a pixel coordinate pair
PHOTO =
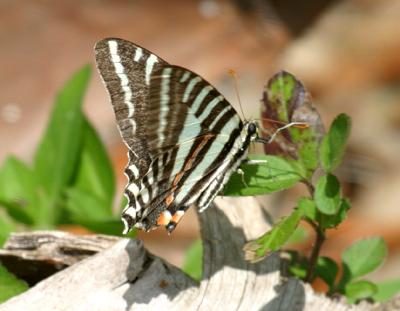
(149, 66)
(185, 77)
(138, 207)
(164, 100)
(145, 195)
(126, 226)
(215, 148)
(119, 70)
(133, 188)
(130, 211)
(200, 97)
(207, 196)
(133, 168)
(138, 54)
(189, 88)
(211, 105)
(220, 115)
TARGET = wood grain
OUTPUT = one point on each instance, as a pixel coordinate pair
(127, 277)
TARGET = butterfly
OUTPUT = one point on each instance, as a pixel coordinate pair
(184, 138)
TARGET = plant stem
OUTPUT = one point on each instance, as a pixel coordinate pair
(312, 262)
(319, 239)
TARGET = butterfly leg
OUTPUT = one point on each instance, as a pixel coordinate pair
(255, 162)
(241, 173)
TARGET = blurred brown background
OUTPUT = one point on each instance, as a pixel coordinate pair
(346, 52)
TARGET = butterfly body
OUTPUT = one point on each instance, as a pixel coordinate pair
(184, 139)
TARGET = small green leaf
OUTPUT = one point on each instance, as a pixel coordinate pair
(334, 143)
(308, 207)
(332, 221)
(10, 286)
(274, 175)
(358, 290)
(327, 270)
(364, 256)
(194, 260)
(274, 238)
(95, 173)
(327, 194)
(58, 152)
(18, 192)
(386, 290)
(297, 264)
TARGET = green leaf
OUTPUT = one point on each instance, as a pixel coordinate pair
(300, 235)
(332, 221)
(327, 270)
(364, 256)
(274, 238)
(334, 143)
(10, 285)
(18, 192)
(386, 290)
(194, 260)
(274, 175)
(95, 173)
(93, 213)
(6, 227)
(308, 207)
(286, 100)
(58, 152)
(358, 290)
(298, 271)
(84, 205)
(327, 194)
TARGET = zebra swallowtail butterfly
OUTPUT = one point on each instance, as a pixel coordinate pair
(184, 139)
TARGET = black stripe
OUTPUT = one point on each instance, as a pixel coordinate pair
(218, 160)
(210, 96)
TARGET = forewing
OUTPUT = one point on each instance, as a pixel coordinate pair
(126, 70)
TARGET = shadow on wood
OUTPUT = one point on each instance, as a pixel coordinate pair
(126, 277)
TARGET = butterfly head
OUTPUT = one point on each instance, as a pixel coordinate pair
(251, 129)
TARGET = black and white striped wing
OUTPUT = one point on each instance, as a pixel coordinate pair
(183, 136)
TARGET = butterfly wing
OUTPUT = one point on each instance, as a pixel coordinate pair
(180, 132)
(126, 69)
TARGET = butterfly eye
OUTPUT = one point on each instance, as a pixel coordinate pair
(252, 128)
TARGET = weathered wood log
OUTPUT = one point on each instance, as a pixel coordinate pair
(34, 256)
(126, 277)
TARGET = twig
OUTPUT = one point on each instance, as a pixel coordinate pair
(319, 239)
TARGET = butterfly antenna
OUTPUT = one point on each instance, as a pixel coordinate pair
(235, 79)
(301, 125)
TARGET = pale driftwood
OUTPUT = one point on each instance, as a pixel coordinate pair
(33, 256)
(126, 277)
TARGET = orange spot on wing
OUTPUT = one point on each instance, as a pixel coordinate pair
(169, 199)
(177, 216)
(164, 218)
